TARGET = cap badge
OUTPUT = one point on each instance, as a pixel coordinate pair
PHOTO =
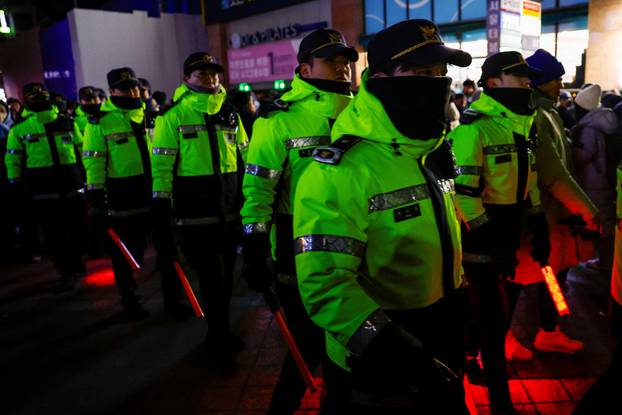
(208, 59)
(429, 32)
(126, 75)
(336, 38)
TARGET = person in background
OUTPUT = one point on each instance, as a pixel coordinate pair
(145, 94)
(101, 94)
(589, 147)
(16, 108)
(460, 101)
(453, 114)
(244, 102)
(468, 89)
(565, 108)
(90, 103)
(59, 101)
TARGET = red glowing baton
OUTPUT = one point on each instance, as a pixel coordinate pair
(126, 252)
(556, 293)
(193, 299)
(272, 302)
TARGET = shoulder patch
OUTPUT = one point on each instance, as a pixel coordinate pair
(335, 152)
(469, 116)
(277, 105)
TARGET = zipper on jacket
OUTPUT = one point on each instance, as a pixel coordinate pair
(447, 248)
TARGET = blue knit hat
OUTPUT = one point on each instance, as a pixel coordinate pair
(547, 63)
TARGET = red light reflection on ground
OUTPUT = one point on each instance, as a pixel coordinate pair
(100, 278)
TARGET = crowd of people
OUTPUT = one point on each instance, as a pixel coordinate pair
(397, 224)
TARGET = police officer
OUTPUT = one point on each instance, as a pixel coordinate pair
(118, 166)
(197, 163)
(89, 106)
(377, 240)
(43, 157)
(496, 188)
(280, 151)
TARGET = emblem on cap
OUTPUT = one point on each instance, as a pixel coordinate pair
(429, 32)
(126, 75)
(336, 38)
(36, 89)
(208, 59)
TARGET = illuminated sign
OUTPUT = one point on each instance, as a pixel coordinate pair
(279, 84)
(244, 87)
(513, 25)
(274, 34)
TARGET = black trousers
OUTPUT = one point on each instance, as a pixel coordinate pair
(440, 329)
(63, 221)
(211, 251)
(291, 387)
(489, 318)
(133, 231)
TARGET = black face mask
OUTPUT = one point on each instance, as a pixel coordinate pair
(517, 100)
(126, 103)
(415, 104)
(338, 87)
(90, 109)
(38, 104)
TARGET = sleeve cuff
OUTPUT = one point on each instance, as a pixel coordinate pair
(367, 332)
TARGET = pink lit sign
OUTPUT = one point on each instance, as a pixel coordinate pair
(263, 63)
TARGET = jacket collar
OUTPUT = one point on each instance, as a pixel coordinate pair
(202, 102)
(327, 104)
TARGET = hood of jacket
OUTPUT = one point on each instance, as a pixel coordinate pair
(501, 114)
(365, 117)
(327, 104)
(135, 115)
(202, 102)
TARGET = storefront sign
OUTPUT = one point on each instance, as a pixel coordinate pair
(263, 63)
(513, 25)
(274, 34)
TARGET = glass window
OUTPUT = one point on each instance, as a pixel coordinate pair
(374, 16)
(473, 9)
(549, 4)
(419, 9)
(563, 3)
(445, 11)
(396, 11)
(572, 39)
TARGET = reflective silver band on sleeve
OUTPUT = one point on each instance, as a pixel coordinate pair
(128, 212)
(313, 141)
(329, 243)
(191, 128)
(259, 171)
(117, 136)
(366, 332)
(163, 151)
(97, 186)
(533, 210)
(89, 153)
(470, 170)
(477, 222)
(258, 227)
(399, 197)
(476, 258)
(161, 195)
(500, 149)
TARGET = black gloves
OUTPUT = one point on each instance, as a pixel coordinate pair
(540, 244)
(256, 270)
(161, 210)
(395, 362)
(97, 203)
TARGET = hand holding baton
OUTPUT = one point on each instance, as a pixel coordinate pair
(273, 304)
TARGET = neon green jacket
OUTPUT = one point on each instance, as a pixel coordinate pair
(488, 161)
(198, 144)
(81, 119)
(281, 148)
(116, 158)
(367, 233)
(47, 144)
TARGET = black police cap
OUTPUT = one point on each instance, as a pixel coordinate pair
(510, 62)
(122, 78)
(415, 41)
(199, 61)
(144, 83)
(325, 43)
(34, 88)
(87, 92)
